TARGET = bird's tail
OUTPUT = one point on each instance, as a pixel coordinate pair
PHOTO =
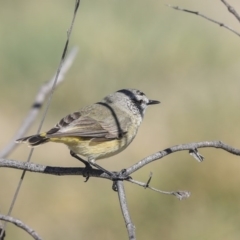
(34, 140)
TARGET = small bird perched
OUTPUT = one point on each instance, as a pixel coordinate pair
(99, 130)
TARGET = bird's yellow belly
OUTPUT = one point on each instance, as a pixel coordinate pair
(96, 149)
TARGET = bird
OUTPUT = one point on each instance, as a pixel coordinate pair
(99, 130)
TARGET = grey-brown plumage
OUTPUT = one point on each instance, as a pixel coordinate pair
(99, 130)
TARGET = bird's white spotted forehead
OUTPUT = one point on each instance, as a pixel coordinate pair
(132, 94)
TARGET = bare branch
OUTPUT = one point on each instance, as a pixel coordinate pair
(74, 171)
(21, 225)
(203, 16)
(178, 194)
(231, 10)
(38, 102)
(125, 212)
(59, 171)
(181, 147)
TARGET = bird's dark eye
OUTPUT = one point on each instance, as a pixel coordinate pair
(141, 102)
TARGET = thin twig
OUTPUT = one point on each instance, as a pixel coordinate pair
(38, 102)
(21, 225)
(231, 10)
(60, 66)
(178, 194)
(149, 180)
(47, 107)
(123, 203)
(203, 16)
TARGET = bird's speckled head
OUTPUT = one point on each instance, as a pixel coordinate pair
(135, 100)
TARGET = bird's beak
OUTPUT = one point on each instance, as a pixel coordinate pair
(151, 102)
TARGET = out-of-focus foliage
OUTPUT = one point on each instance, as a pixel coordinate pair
(189, 64)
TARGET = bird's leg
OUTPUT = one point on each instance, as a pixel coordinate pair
(113, 175)
(86, 163)
(93, 163)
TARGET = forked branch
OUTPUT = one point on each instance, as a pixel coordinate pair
(61, 171)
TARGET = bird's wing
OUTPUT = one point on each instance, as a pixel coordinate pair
(116, 127)
(84, 126)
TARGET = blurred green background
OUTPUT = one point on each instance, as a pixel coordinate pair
(189, 64)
